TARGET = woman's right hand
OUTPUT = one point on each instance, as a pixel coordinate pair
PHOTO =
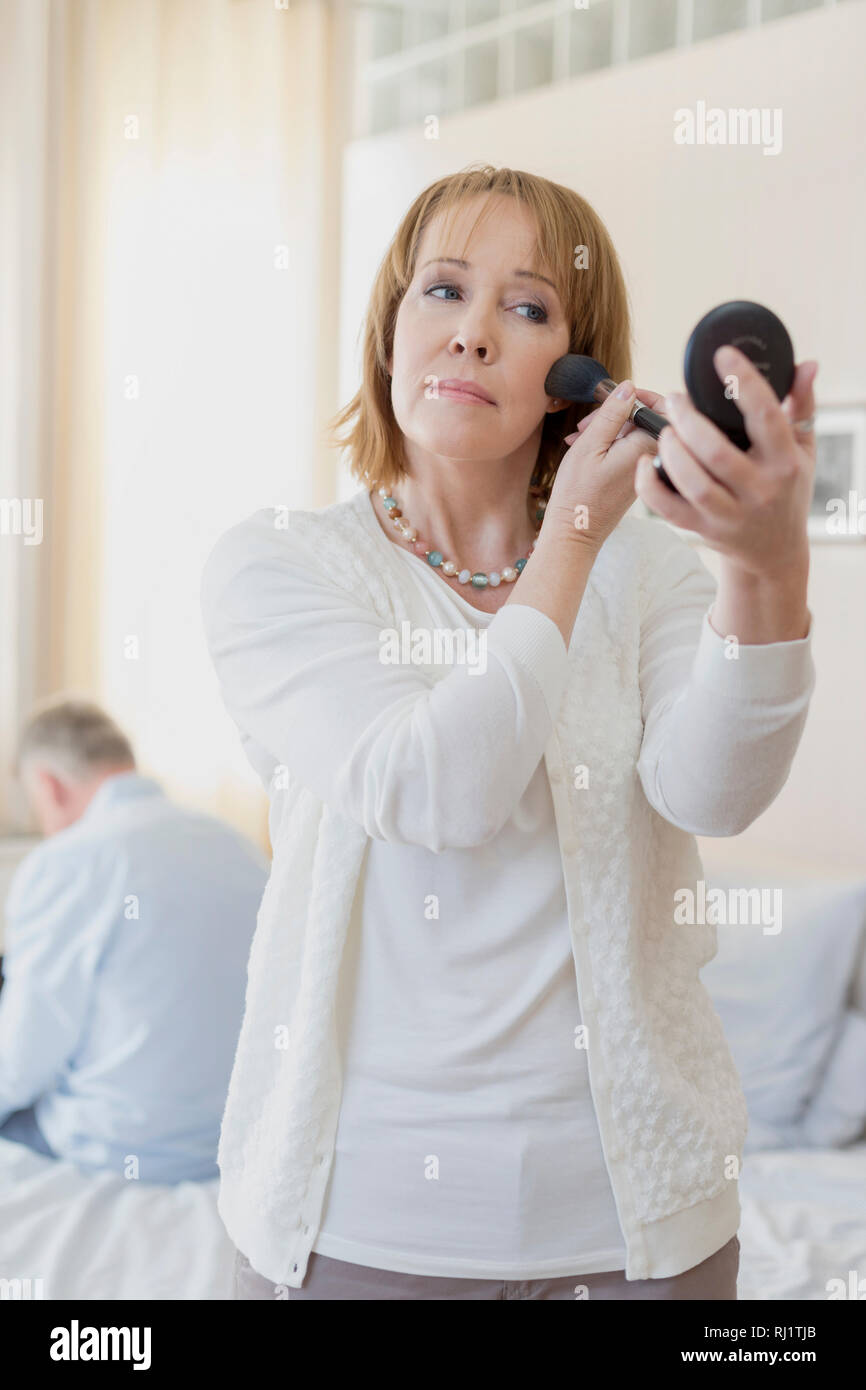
(594, 484)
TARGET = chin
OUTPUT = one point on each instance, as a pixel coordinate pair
(457, 442)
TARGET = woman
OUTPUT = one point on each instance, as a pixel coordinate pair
(477, 1060)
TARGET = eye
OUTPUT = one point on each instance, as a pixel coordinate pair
(527, 304)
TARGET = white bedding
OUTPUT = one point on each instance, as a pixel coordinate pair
(803, 1221)
(101, 1237)
(97, 1236)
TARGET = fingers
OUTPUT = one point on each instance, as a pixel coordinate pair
(694, 482)
(606, 422)
(799, 404)
(653, 399)
(758, 403)
(659, 498)
(727, 464)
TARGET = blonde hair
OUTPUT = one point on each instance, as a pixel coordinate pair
(594, 300)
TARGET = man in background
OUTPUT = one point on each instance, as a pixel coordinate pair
(128, 931)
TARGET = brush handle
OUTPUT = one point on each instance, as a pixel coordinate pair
(653, 423)
(649, 420)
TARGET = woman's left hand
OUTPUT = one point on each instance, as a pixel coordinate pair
(750, 506)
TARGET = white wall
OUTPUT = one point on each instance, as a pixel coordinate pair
(696, 225)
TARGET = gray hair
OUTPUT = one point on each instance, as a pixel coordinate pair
(73, 738)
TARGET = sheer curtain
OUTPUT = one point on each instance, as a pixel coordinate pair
(174, 244)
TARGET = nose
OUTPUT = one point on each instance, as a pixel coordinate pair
(474, 334)
(466, 342)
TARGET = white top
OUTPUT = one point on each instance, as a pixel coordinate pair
(467, 1142)
(426, 758)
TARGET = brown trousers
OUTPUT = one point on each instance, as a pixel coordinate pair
(714, 1278)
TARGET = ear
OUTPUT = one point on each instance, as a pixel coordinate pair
(60, 794)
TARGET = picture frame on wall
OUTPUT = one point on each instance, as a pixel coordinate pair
(838, 510)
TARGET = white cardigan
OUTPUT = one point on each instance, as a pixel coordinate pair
(293, 609)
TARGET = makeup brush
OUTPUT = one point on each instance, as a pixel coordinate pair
(582, 379)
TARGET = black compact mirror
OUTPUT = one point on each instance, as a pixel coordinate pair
(762, 337)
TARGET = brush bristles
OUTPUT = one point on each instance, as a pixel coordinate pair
(574, 378)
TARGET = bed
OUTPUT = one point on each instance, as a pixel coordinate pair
(793, 1003)
(81, 1235)
(803, 1222)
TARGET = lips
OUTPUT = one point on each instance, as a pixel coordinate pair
(457, 386)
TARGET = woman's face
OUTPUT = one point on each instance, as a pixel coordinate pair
(482, 322)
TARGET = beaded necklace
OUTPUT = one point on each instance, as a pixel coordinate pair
(479, 579)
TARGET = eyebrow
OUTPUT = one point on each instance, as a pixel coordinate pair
(464, 265)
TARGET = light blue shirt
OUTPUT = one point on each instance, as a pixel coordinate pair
(127, 939)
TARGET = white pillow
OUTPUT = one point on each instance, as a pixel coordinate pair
(782, 995)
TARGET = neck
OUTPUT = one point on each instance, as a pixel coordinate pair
(481, 523)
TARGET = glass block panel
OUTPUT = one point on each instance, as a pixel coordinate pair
(718, 17)
(430, 21)
(384, 105)
(590, 38)
(482, 61)
(481, 11)
(776, 9)
(426, 92)
(533, 57)
(386, 33)
(652, 27)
